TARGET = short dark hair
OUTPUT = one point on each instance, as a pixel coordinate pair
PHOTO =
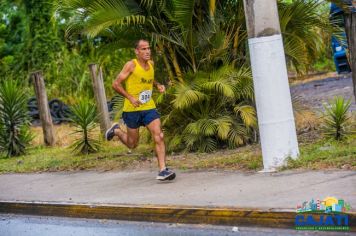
(138, 42)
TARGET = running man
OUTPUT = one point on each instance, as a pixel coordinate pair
(139, 108)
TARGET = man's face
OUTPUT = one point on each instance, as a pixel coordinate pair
(143, 51)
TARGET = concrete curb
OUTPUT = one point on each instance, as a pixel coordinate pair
(276, 218)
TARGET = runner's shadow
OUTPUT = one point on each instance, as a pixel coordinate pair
(166, 182)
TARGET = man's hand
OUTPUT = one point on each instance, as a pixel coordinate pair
(161, 88)
(134, 101)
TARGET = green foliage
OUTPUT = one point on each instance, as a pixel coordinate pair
(326, 154)
(84, 117)
(14, 119)
(72, 77)
(43, 42)
(324, 63)
(211, 103)
(337, 119)
(187, 41)
(118, 105)
(196, 35)
(212, 111)
(306, 32)
(32, 38)
(13, 34)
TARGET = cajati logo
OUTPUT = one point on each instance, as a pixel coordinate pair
(328, 214)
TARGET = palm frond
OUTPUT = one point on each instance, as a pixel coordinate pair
(94, 17)
(174, 142)
(237, 136)
(224, 124)
(186, 96)
(183, 11)
(302, 23)
(206, 127)
(243, 86)
(207, 144)
(220, 82)
(247, 113)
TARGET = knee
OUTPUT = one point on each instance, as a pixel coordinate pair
(158, 138)
(132, 145)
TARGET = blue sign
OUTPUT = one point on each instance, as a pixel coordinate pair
(322, 222)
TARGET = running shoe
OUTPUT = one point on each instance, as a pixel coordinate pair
(110, 133)
(166, 174)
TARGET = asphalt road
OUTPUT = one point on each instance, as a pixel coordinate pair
(316, 94)
(20, 225)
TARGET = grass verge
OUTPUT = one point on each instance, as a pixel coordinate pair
(326, 154)
(321, 155)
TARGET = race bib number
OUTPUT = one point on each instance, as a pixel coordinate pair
(145, 96)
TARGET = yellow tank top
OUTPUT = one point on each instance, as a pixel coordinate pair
(140, 84)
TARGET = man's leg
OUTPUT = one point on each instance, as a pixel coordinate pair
(130, 139)
(155, 128)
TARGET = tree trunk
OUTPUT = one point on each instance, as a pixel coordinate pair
(166, 63)
(175, 64)
(43, 108)
(100, 97)
(236, 43)
(350, 29)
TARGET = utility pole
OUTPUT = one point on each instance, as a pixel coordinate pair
(270, 79)
(350, 29)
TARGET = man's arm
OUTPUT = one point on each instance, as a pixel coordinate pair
(117, 84)
(161, 88)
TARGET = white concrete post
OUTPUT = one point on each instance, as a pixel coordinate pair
(270, 79)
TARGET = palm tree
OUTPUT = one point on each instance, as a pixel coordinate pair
(167, 22)
(210, 100)
(306, 29)
(213, 110)
(192, 35)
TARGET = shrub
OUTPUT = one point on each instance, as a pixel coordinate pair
(337, 119)
(209, 111)
(84, 117)
(14, 119)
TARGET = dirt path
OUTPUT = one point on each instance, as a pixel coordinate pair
(318, 92)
